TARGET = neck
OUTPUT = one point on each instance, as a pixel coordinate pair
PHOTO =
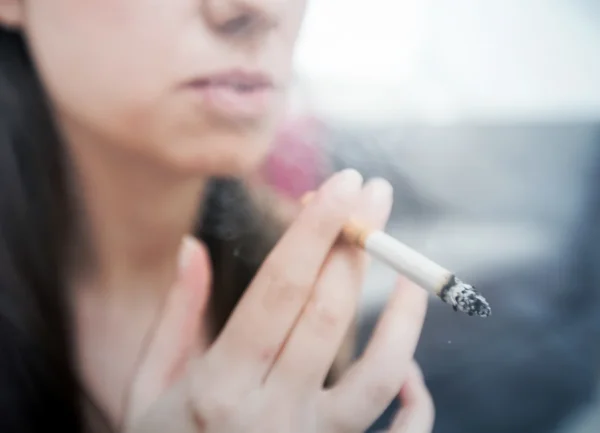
(134, 218)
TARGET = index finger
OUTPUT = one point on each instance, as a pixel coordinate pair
(259, 326)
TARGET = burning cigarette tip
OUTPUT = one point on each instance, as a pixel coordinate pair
(464, 297)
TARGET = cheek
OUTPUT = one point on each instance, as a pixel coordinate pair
(83, 51)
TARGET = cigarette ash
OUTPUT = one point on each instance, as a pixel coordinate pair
(463, 297)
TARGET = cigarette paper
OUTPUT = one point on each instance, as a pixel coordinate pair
(416, 267)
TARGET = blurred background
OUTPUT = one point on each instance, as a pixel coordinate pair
(485, 115)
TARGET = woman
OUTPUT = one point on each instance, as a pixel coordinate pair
(114, 115)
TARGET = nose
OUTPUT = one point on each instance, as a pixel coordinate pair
(243, 18)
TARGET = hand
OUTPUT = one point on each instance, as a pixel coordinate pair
(266, 369)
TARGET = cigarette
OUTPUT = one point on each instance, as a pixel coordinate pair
(416, 267)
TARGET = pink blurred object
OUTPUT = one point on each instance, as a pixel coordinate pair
(297, 162)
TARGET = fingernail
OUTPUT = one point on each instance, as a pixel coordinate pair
(347, 181)
(380, 192)
(186, 252)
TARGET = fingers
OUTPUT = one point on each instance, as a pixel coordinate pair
(255, 333)
(172, 412)
(315, 340)
(418, 412)
(375, 380)
(176, 335)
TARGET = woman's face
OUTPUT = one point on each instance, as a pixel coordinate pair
(195, 85)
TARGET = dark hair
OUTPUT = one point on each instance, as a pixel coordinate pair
(39, 388)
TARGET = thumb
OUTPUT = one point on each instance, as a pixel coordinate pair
(178, 333)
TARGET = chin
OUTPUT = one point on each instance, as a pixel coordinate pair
(223, 155)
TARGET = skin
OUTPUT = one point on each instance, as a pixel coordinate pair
(143, 145)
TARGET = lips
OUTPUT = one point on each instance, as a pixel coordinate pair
(236, 94)
(239, 81)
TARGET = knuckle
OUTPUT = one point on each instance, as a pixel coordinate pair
(214, 408)
(381, 393)
(325, 317)
(267, 354)
(286, 284)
